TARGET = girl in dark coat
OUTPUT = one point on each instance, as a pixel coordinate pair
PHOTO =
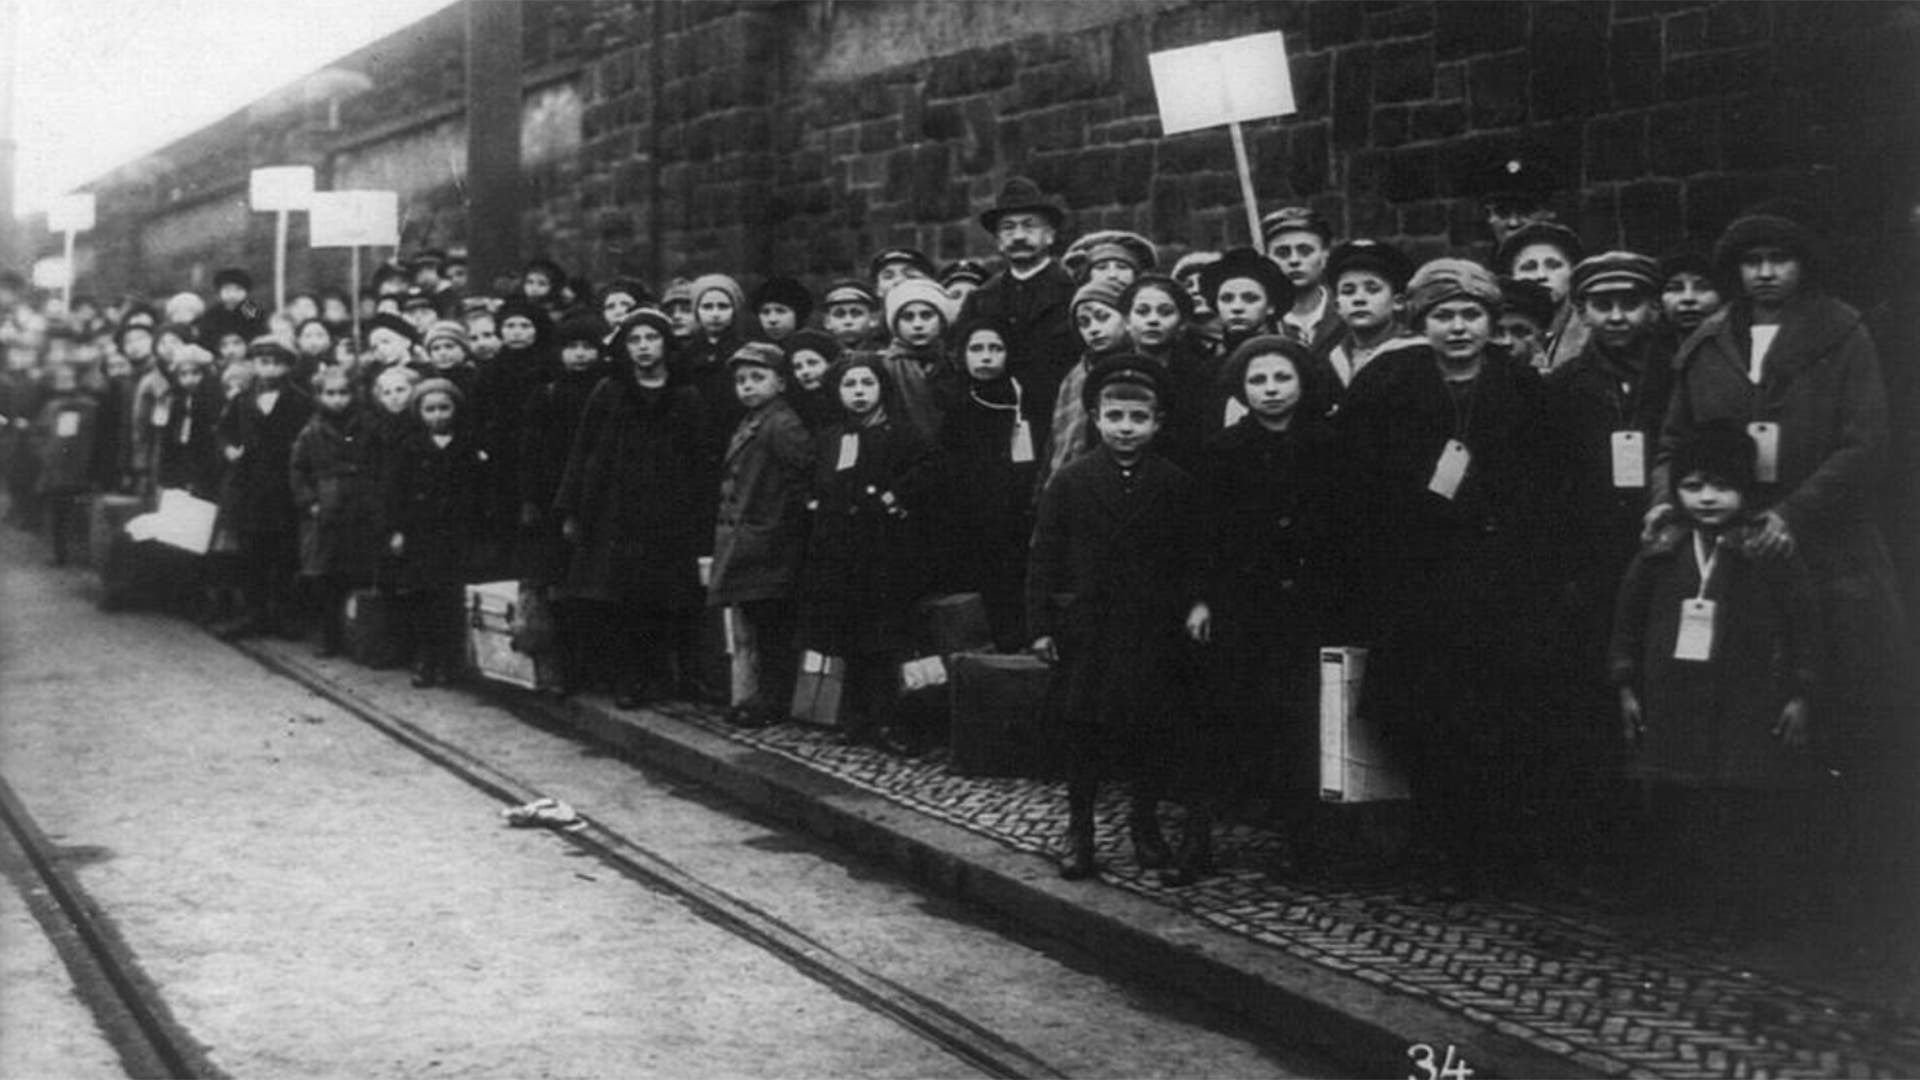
(1269, 524)
(873, 484)
(988, 450)
(813, 354)
(550, 422)
(257, 433)
(332, 491)
(627, 503)
(188, 456)
(501, 392)
(1157, 310)
(705, 365)
(428, 510)
(1715, 654)
(1445, 441)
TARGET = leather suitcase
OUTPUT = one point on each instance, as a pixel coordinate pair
(1354, 763)
(954, 623)
(372, 639)
(491, 610)
(999, 714)
(107, 517)
(146, 574)
(817, 689)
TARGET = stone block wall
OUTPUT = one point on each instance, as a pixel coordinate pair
(799, 136)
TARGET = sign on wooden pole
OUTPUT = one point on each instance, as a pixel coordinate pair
(280, 189)
(70, 214)
(1225, 82)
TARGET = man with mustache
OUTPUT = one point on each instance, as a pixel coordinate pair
(1030, 298)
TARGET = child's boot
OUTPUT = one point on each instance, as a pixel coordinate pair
(1195, 859)
(1150, 849)
(1078, 862)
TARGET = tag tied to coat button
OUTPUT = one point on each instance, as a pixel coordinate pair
(1766, 450)
(1629, 459)
(162, 412)
(849, 452)
(66, 425)
(1451, 470)
(1695, 639)
(1022, 448)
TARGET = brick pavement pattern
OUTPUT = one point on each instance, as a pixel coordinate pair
(1609, 995)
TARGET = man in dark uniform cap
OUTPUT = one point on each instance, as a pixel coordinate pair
(1515, 191)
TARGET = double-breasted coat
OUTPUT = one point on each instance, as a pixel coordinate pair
(1111, 579)
(1821, 384)
(259, 496)
(632, 485)
(432, 498)
(759, 533)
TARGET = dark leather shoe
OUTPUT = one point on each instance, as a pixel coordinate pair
(1150, 849)
(1078, 864)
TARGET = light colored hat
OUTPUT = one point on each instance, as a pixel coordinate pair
(1441, 280)
(448, 330)
(925, 291)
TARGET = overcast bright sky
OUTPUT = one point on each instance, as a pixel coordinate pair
(100, 82)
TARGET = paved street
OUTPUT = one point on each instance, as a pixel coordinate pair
(311, 898)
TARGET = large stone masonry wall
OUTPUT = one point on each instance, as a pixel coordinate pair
(798, 136)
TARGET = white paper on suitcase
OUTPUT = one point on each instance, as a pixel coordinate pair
(490, 611)
(180, 521)
(1354, 763)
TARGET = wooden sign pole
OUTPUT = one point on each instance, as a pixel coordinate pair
(280, 261)
(1246, 184)
(354, 284)
(66, 290)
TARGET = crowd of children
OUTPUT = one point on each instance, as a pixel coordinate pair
(1597, 517)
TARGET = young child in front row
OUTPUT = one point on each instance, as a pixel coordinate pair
(1109, 587)
(430, 507)
(332, 494)
(989, 447)
(1714, 655)
(760, 527)
(874, 480)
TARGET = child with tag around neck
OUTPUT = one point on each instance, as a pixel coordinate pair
(988, 448)
(1714, 655)
(1099, 317)
(332, 488)
(430, 502)
(257, 434)
(874, 484)
(1109, 584)
(1446, 445)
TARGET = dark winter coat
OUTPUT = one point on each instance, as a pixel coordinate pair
(631, 485)
(926, 385)
(334, 491)
(866, 560)
(760, 527)
(259, 496)
(1196, 408)
(1464, 573)
(1037, 319)
(985, 520)
(1111, 579)
(501, 394)
(547, 434)
(432, 498)
(65, 438)
(1709, 723)
(702, 365)
(188, 455)
(1821, 384)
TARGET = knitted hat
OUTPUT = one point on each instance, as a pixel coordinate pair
(434, 386)
(645, 316)
(816, 341)
(679, 291)
(1098, 292)
(1441, 280)
(1129, 369)
(849, 291)
(577, 328)
(552, 271)
(1313, 386)
(1371, 256)
(1762, 230)
(1193, 262)
(1107, 244)
(762, 354)
(921, 290)
(1529, 299)
(1296, 219)
(1687, 260)
(1244, 262)
(627, 286)
(191, 356)
(521, 307)
(707, 283)
(387, 320)
(448, 330)
(788, 292)
(1611, 270)
(1182, 299)
(1538, 232)
(1721, 449)
(233, 275)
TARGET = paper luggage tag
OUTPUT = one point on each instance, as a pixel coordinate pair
(1629, 460)
(353, 607)
(1451, 469)
(849, 451)
(1234, 411)
(162, 412)
(1022, 442)
(922, 673)
(812, 663)
(1766, 450)
(1695, 640)
(67, 425)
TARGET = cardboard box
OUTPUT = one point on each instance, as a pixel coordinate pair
(491, 610)
(1354, 763)
(999, 716)
(818, 690)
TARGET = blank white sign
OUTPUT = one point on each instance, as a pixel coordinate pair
(354, 219)
(70, 213)
(1222, 82)
(280, 187)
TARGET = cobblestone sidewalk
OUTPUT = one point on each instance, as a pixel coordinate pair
(1621, 997)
